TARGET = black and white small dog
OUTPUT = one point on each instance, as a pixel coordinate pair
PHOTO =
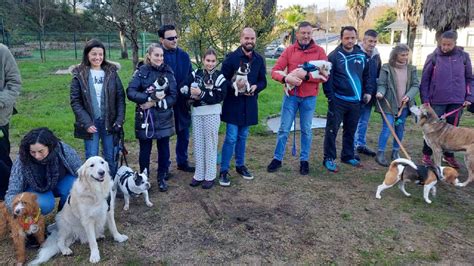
(241, 76)
(158, 95)
(132, 183)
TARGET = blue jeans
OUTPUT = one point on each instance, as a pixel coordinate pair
(235, 139)
(46, 199)
(399, 130)
(182, 142)
(289, 107)
(361, 132)
(92, 145)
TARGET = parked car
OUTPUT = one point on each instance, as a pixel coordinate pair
(274, 52)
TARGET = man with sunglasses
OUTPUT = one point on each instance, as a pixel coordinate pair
(179, 61)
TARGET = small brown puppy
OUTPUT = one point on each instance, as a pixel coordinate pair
(25, 220)
(405, 170)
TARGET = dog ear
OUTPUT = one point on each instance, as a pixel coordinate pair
(145, 172)
(81, 171)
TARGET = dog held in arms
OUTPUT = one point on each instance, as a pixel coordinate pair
(89, 207)
(132, 183)
(404, 170)
(441, 136)
(25, 220)
(241, 77)
(318, 69)
(158, 91)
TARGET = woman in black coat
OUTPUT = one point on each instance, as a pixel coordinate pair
(153, 89)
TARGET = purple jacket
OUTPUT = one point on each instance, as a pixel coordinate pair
(448, 80)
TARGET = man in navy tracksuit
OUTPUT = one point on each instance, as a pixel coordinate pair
(346, 88)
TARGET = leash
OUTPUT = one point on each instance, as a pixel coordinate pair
(455, 111)
(149, 116)
(392, 130)
(293, 148)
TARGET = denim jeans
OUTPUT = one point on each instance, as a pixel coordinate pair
(163, 147)
(46, 199)
(289, 107)
(92, 145)
(235, 139)
(399, 130)
(182, 142)
(360, 136)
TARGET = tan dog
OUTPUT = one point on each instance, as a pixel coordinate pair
(405, 170)
(441, 136)
(26, 220)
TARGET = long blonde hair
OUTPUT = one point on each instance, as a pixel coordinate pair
(149, 50)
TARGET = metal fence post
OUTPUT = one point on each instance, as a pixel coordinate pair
(75, 46)
(108, 41)
(143, 44)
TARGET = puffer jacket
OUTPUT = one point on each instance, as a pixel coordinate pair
(10, 84)
(81, 101)
(156, 122)
(388, 88)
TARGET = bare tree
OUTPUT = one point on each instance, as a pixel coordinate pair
(410, 11)
(443, 15)
(357, 10)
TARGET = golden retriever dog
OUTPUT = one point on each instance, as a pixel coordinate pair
(89, 207)
(25, 220)
(441, 136)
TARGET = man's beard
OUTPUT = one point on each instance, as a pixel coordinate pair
(248, 49)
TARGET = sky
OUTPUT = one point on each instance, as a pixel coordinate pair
(337, 4)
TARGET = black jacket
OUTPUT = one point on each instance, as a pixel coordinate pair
(81, 102)
(155, 122)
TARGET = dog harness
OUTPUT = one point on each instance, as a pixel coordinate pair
(29, 223)
(123, 180)
(422, 173)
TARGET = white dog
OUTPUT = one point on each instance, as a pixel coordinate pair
(89, 207)
(132, 183)
(159, 94)
(318, 69)
(241, 76)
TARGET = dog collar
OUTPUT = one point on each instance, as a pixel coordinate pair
(29, 220)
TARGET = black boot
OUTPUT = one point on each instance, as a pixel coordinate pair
(162, 183)
(380, 158)
(395, 155)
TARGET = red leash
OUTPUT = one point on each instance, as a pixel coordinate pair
(456, 119)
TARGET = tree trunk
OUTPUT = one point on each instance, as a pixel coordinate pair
(123, 45)
(411, 37)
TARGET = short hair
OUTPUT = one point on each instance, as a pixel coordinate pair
(150, 49)
(165, 28)
(400, 48)
(371, 33)
(92, 43)
(450, 34)
(40, 135)
(348, 28)
(304, 24)
(210, 51)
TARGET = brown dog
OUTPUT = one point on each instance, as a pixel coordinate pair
(441, 136)
(26, 220)
(405, 170)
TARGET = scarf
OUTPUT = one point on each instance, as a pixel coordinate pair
(34, 168)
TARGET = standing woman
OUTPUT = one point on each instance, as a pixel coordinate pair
(398, 84)
(154, 112)
(98, 102)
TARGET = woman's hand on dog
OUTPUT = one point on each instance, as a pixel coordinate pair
(147, 105)
(92, 129)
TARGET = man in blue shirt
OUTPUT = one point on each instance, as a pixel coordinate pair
(346, 88)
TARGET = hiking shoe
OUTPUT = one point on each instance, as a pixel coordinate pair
(167, 176)
(195, 183)
(304, 167)
(185, 167)
(224, 180)
(451, 161)
(353, 162)
(273, 166)
(380, 159)
(162, 181)
(356, 155)
(244, 172)
(395, 155)
(207, 184)
(365, 150)
(331, 165)
(426, 160)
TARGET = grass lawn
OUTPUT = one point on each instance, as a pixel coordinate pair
(278, 218)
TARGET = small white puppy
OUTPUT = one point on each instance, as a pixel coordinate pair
(132, 183)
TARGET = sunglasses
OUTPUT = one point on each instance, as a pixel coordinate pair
(172, 38)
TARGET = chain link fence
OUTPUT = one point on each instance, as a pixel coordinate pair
(68, 45)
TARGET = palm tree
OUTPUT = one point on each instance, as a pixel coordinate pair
(290, 18)
(443, 15)
(357, 10)
(410, 11)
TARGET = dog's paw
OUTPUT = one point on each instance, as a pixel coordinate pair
(377, 196)
(66, 252)
(428, 201)
(120, 238)
(95, 256)
(460, 185)
(125, 208)
(149, 204)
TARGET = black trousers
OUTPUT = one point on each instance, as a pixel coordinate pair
(348, 113)
(5, 161)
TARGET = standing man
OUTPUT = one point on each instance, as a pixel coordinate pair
(10, 85)
(347, 86)
(240, 112)
(302, 98)
(368, 46)
(446, 86)
(179, 61)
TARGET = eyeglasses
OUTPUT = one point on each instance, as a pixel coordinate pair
(172, 38)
